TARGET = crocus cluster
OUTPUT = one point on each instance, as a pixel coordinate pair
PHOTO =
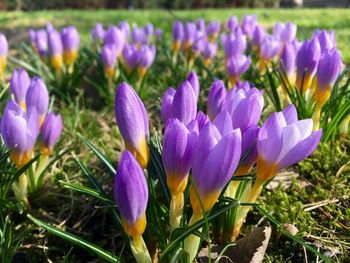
(134, 47)
(26, 118)
(54, 47)
(196, 39)
(3, 54)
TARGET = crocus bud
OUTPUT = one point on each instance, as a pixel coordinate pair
(178, 34)
(200, 25)
(328, 71)
(259, 36)
(307, 61)
(277, 30)
(138, 37)
(125, 28)
(31, 36)
(41, 42)
(114, 36)
(249, 150)
(184, 106)
(216, 97)
(50, 133)
(55, 49)
(245, 107)
(109, 57)
(158, 33)
(284, 141)
(98, 33)
(131, 195)
(209, 52)
(132, 120)
(167, 104)
(38, 97)
(49, 27)
(148, 29)
(234, 45)
(287, 65)
(192, 78)
(145, 59)
(236, 66)
(249, 23)
(19, 85)
(178, 146)
(3, 53)
(232, 23)
(213, 30)
(19, 131)
(190, 33)
(289, 32)
(131, 57)
(70, 41)
(326, 39)
(213, 165)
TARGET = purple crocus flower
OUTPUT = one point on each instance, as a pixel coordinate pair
(131, 57)
(259, 36)
(269, 49)
(55, 49)
(131, 195)
(307, 61)
(70, 41)
(49, 27)
(249, 150)
(234, 45)
(209, 52)
(190, 34)
(31, 36)
(192, 78)
(213, 165)
(132, 120)
(148, 29)
(109, 57)
(244, 85)
(232, 23)
(146, 57)
(245, 107)
(114, 36)
(198, 46)
(200, 25)
(50, 133)
(41, 42)
(288, 33)
(213, 30)
(178, 146)
(184, 106)
(326, 39)
(98, 33)
(138, 36)
(249, 23)
(125, 28)
(328, 71)
(178, 34)
(158, 33)
(19, 131)
(287, 65)
(202, 119)
(284, 141)
(236, 66)
(167, 104)
(38, 97)
(277, 30)
(216, 97)
(19, 85)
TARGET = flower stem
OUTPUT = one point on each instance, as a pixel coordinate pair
(176, 210)
(191, 243)
(139, 250)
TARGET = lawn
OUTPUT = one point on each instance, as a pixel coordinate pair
(311, 198)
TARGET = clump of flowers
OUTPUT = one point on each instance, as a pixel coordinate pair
(26, 120)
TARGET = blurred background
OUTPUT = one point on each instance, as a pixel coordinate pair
(28, 5)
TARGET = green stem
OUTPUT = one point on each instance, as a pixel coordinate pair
(139, 250)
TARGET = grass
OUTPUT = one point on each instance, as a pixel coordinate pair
(321, 178)
(307, 20)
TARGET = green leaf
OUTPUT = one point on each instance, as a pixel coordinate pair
(108, 256)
